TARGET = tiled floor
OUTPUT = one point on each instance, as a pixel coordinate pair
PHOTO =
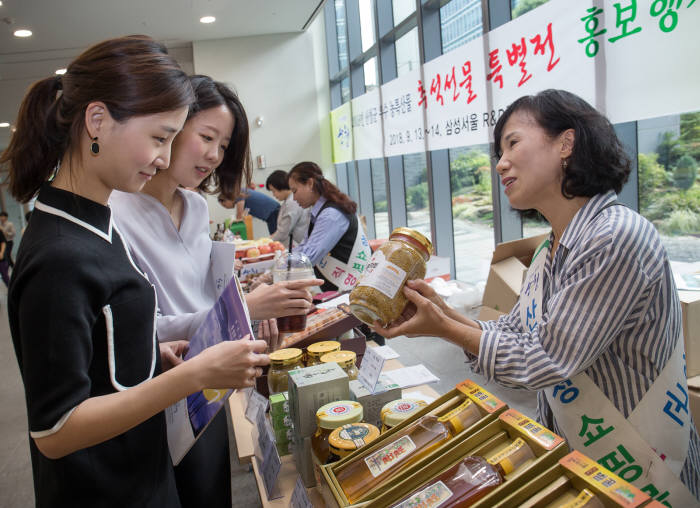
(443, 359)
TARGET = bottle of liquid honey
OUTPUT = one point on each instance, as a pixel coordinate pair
(406, 446)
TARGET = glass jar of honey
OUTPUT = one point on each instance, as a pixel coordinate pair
(348, 438)
(281, 362)
(344, 359)
(328, 418)
(378, 295)
(399, 410)
(316, 350)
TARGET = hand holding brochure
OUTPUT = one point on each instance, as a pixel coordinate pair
(188, 418)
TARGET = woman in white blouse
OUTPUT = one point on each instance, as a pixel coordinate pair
(167, 228)
(292, 220)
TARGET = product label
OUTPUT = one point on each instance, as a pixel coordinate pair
(404, 407)
(430, 497)
(339, 410)
(607, 482)
(481, 397)
(387, 457)
(458, 417)
(581, 500)
(354, 433)
(504, 456)
(383, 275)
(530, 428)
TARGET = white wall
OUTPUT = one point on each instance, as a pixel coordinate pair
(284, 79)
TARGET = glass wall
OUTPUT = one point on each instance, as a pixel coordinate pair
(520, 7)
(416, 188)
(381, 210)
(402, 9)
(460, 22)
(340, 27)
(407, 52)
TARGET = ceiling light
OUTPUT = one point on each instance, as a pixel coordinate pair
(61, 71)
(4, 124)
(207, 19)
(23, 33)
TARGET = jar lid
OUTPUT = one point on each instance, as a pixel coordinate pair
(342, 358)
(418, 237)
(348, 438)
(320, 348)
(285, 356)
(335, 414)
(397, 411)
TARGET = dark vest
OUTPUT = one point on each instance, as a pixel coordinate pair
(343, 248)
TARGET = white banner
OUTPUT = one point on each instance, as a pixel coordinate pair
(366, 126)
(631, 59)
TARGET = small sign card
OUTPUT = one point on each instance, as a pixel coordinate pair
(371, 368)
(300, 498)
(256, 404)
(268, 459)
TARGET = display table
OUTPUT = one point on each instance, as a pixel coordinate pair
(286, 480)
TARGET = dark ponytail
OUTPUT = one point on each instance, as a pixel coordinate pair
(305, 171)
(132, 75)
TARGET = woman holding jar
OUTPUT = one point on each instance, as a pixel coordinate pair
(598, 314)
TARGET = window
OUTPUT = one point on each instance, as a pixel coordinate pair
(520, 7)
(669, 191)
(340, 22)
(367, 24)
(402, 9)
(371, 79)
(381, 209)
(460, 22)
(472, 212)
(416, 184)
(345, 90)
(407, 52)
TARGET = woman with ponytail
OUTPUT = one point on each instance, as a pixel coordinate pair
(336, 243)
(82, 315)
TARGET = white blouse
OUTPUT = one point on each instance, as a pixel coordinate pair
(176, 261)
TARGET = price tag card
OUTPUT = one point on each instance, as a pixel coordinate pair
(300, 498)
(256, 404)
(270, 469)
(371, 369)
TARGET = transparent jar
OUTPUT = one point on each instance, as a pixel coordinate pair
(281, 362)
(316, 350)
(292, 266)
(344, 359)
(328, 418)
(378, 295)
(348, 438)
(397, 411)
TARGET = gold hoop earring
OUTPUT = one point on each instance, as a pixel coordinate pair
(95, 147)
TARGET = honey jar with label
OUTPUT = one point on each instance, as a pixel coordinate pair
(346, 361)
(281, 362)
(348, 438)
(399, 410)
(316, 350)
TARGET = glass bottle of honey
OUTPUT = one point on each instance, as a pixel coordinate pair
(406, 446)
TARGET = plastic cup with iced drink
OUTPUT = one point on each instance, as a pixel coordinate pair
(292, 266)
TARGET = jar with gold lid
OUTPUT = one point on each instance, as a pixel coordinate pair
(348, 438)
(316, 350)
(329, 417)
(281, 362)
(345, 360)
(397, 411)
(378, 295)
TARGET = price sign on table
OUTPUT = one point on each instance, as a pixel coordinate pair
(300, 498)
(268, 458)
(256, 404)
(371, 369)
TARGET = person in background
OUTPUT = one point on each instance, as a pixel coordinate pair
(335, 243)
(9, 230)
(597, 328)
(259, 205)
(173, 248)
(4, 254)
(292, 219)
(82, 316)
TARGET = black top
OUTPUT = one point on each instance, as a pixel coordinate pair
(342, 249)
(82, 319)
(3, 239)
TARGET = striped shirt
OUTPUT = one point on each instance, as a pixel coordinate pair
(609, 308)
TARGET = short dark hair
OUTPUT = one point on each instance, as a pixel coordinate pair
(598, 162)
(237, 165)
(3, 214)
(278, 179)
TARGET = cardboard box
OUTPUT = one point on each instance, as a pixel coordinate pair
(690, 305)
(372, 403)
(301, 449)
(489, 406)
(568, 477)
(509, 265)
(694, 399)
(312, 387)
(511, 424)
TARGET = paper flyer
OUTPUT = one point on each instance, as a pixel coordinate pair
(188, 418)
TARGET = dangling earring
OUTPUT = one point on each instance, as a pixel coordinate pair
(564, 163)
(94, 147)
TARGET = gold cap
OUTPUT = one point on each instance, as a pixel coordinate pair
(342, 358)
(418, 237)
(317, 349)
(285, 356)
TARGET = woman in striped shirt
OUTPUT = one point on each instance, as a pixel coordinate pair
(606, 319)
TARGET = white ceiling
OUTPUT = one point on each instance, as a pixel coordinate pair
(63, 28)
